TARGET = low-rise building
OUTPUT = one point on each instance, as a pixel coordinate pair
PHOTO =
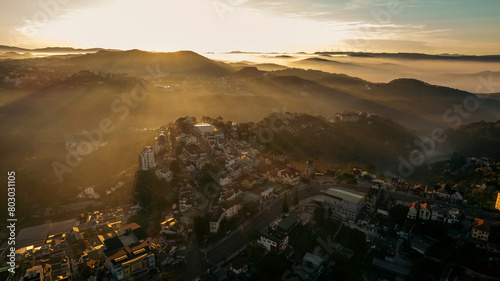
(273, 241)
(215, 220)
(425, 212)
(481, 229)
(128, 261)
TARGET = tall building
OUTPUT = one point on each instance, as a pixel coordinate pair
(309, 167)
(147, 158)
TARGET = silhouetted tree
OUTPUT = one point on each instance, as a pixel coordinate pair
(201, 225)
(285, 204)
(296, 197)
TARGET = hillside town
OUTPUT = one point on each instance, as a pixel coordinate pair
(238, 212)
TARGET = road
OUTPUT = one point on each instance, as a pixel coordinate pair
(238, 238)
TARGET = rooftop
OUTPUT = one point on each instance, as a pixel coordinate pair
(205, 128)
(344, 194)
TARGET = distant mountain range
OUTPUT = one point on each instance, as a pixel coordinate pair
(4, 48)
(418, 56)
(46, 105)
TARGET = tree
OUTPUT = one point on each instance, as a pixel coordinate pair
(319, 216)
(165, 276)
(370, 168)
(201, 225)
(398, 214)
(285, 204)
(296, 197)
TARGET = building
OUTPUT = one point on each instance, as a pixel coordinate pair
(425, 212)
(262, 192)
(38, 273)
(206, 130)
(344, 202)
(309, 167)
(497, 205)
(349, 117)
(164, 174)
(147, 158)
(289, 176)
(123, 261)
(193, 152)
(310, 268)
(481, 229)
(215, 220)
(231, 207)
(286, 225)
(273, 241)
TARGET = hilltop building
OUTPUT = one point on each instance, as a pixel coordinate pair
(206, 130)
(147, 158)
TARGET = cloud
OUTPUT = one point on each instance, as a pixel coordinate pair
(386, 45)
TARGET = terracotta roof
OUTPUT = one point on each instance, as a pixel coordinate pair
(481, 224)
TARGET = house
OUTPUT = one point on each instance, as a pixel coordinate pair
(289, 176)
(273, 241)
(452, 216)
(262, 192)
(480, 229)
(286, 225)
(456, 197)
(413, 211)
(164, 174)
(419, 189)
(239, 265)
(425, 212)
(344, 202)
(231, 207)
(438, 213)
(215, 220)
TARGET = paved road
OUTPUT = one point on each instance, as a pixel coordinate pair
(238, 238)
(193, 265)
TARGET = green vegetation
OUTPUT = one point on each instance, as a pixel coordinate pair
(201, 226)
(285, 208)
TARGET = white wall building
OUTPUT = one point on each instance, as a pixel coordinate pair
(147, 158)
(344, 202)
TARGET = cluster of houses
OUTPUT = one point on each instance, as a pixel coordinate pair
(81, 249)
(242, 170)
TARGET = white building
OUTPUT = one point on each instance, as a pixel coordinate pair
(209, 131)
(344, 202)
(215, 220)
(231, 207)
(147, 158)
(273, 241)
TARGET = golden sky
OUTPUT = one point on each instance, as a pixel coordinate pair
(441, 26)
